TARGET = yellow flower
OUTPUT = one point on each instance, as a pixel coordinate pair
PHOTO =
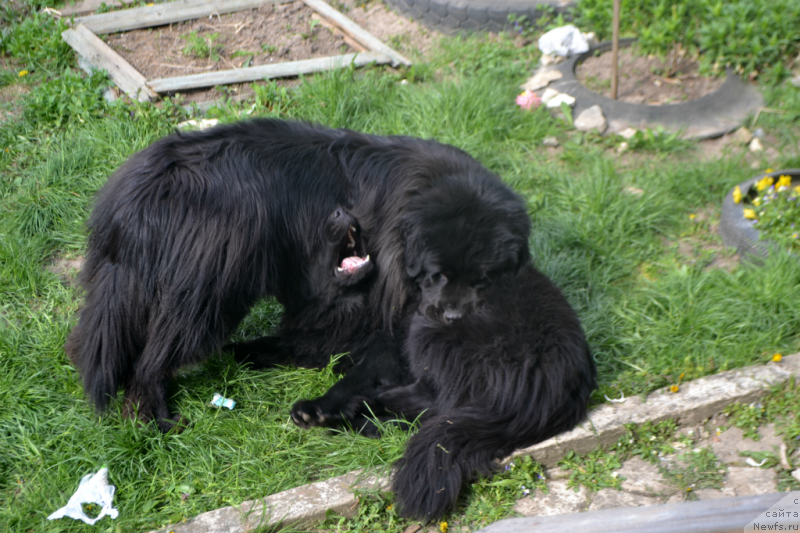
(797, 189)
(784, 181)
(768, 171)
(692, 216)
(764, 182)
(674, 388)
(737, 195)
(777, 357)
(681, 376)
(443, 527)
(756, 202)
(749, 213)
(688, 489)
(23, 73)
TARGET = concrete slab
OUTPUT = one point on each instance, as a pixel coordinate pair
(644, 478)
(696, 401)
(560, 500)
(612, 499)
(730, 443)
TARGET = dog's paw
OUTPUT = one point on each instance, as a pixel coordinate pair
(309, 413)
(175, 424)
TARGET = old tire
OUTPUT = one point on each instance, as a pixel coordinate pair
(454, 16)
(737, 231)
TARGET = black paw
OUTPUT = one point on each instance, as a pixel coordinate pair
(175, 424)
(309, 413)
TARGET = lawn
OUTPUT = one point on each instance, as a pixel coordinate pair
(630, 238)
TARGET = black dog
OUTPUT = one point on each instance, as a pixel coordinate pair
(189, 233)
(494, 357)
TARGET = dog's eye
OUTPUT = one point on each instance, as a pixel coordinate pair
(438, 278)
(482, 283)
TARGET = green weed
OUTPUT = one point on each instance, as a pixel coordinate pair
(201, 46)
(696, 470)
(594, 470)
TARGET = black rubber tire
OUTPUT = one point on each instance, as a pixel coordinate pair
(454, 16)
(737, 231)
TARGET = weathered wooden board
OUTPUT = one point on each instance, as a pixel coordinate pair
(279, 70)
(102, 57)
(167, 13)
(355, 31)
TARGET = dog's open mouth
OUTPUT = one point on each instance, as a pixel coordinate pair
(351, 253)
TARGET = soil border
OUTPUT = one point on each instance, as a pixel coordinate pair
(713, 115)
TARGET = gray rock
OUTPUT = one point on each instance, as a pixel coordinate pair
(612, 499)
(591, 119)
(643, 478)
(560, 500)
(758, 133)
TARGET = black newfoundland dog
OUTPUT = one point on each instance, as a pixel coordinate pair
(190, 232)
(406, 253)
(493, 356)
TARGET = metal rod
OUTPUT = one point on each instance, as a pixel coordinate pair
(615, 51)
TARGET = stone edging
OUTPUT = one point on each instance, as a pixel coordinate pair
(696, 401)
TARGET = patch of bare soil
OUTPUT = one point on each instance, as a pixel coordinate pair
(647, 79)
(273, 33)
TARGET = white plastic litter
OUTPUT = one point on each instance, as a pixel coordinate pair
(618, 400)
(752, 462)
(219, 401)
(563, 41)
(93, 488)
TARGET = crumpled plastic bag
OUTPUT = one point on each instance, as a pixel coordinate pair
(93, 488)
(563, 41)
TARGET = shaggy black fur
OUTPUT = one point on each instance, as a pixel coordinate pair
(190, 232)
(494, 357)
(513, 373)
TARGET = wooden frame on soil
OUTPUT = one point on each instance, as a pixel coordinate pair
(84, 40)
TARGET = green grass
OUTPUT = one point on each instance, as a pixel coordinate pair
(650, 312)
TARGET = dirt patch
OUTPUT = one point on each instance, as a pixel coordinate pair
(647, 79)
(273, 33)
(66, 269)
(267, 35)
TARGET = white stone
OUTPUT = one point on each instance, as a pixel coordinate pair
(201, 124)
(560, 500)
(796, 474)
(550, 141)
(622, 147)
(755, 145)
(541, 79)
(549, 94)
(627, 133)
(591, 119)
(561, 98)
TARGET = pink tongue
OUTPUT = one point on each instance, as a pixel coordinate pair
(351, 264)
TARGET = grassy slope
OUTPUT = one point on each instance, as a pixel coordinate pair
(649, 313)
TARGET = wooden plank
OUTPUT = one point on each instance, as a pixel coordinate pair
(279, 70)
(161, 14)
(355, 31)
(102, 57)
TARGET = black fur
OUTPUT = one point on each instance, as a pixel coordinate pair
(493, 356)
(513, 373)
(190, 232)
